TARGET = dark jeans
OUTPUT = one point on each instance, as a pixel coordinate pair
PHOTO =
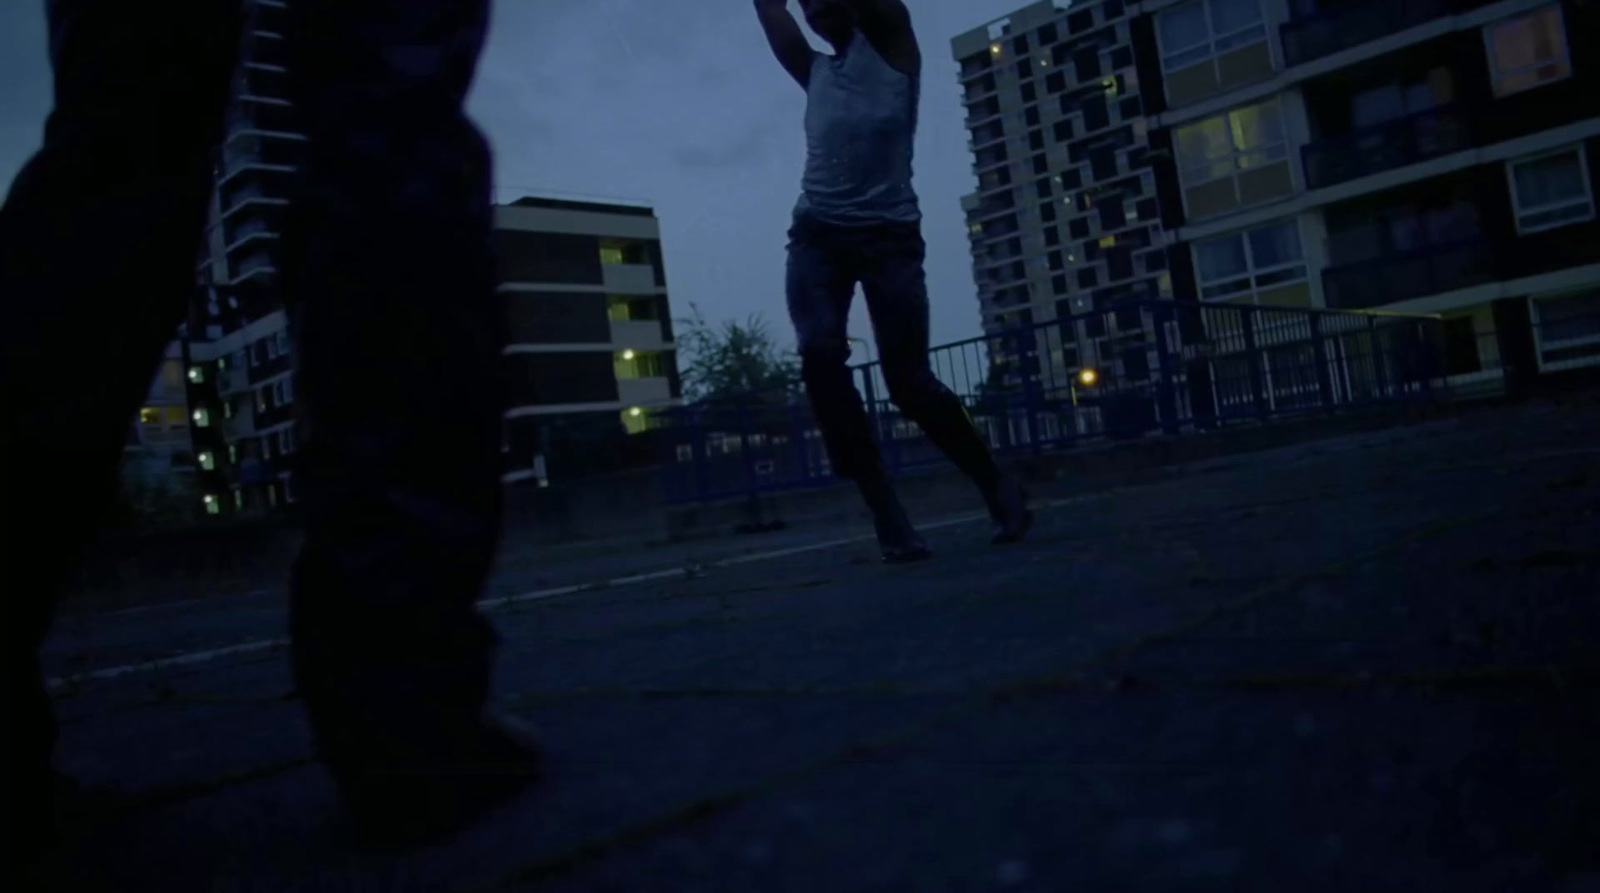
(825, 264)
(388, 274)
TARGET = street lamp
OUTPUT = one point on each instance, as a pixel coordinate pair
(1086, 377)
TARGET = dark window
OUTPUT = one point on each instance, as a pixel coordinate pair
(1113, 9)
(1112, 216)
(1122, 57)
(1088, 278)
(1041, 164)
(1060, 55)
(1079, 22)
(1029, 93)
(557, 318)
(1090, 249)
(1071, 178)
(547, 257)
(1148, 209)
(1079, 228)
(1036, 140)
(1025, 69)
(1042, 186)
(1019, 46)
(1055, 81)
(1085, 203)
(1129, 108)
(543, 379)
(1057, 261)
(1047, 34)
(1119, 264)
(1063, 131)
(1155, 261)
(1068, 103)
(1047, 212)
(1138, 158)
(1136, 361)
(1030, 115)
(1103, 163)
(1052, 236)
(1087, 64)
(1094, 325)
(1058, 284)
(1461, 347)
(1096, 116)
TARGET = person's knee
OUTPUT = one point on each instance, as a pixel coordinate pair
(914, 390)
(824, 359)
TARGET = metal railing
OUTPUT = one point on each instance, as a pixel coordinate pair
(1386, 146)
(1141, 369)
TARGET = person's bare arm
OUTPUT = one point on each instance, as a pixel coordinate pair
(887, 25)
(786, 39)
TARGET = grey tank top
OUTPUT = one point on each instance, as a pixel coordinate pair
(861, 121)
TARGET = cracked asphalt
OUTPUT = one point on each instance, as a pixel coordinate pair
(1366, 663)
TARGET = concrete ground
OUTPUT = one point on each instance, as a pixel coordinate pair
(1366, 663)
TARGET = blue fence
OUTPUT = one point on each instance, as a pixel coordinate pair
(1140, 369)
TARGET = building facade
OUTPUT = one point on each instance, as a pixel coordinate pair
(592, 353)
(1432, 156)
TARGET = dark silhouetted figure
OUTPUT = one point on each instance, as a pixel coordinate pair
(387, 272)
(858, 221)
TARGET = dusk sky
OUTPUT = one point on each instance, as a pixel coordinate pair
(676, 103)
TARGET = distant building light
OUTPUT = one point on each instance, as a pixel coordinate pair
(994, 49)
(208, 461)
(636, 412)
(197, 375)
(202, 418)
(1088, 377)
(628, 355)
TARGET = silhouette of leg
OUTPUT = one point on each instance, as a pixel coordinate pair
(97, 244)
(821, 281)
(897, 299)
(391, 284)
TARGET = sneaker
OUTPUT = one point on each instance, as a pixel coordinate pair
(411, 806)
(1008, 507)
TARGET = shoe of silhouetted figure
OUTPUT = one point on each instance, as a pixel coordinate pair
(1008, 508)
(409, 806)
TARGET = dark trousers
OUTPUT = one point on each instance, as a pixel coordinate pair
(826, 262)
(386, 268)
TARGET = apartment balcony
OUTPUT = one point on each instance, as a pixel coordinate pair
(641, 334)
(1349, 24)
(1389, 145)
(1414, 274)
(644, 391)
(256, 266)
(629, 278)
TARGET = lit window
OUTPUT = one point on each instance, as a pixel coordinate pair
(208, 460)
(212, 507)
(175, 415)
(202, 417)
(1528, 51)
(222, 364)
(1240, 140)
(238, 500)
(150, 415)
(1197, 31)
(197, 374)
(1551, 190)
(227, 409)
(233, 453)
(1247, 262)
(994, 49)
(611, 255)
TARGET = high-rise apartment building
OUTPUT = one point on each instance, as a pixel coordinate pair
(1432, 156)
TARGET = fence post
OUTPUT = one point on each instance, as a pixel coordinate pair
(1027, 359)
(1379, 361)
(750, 484)
(1166, 369)
(1319, 350)
(1258, 381)
(869, 393)
(697, 442)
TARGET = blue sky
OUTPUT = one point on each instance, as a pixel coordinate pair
(676, 103)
